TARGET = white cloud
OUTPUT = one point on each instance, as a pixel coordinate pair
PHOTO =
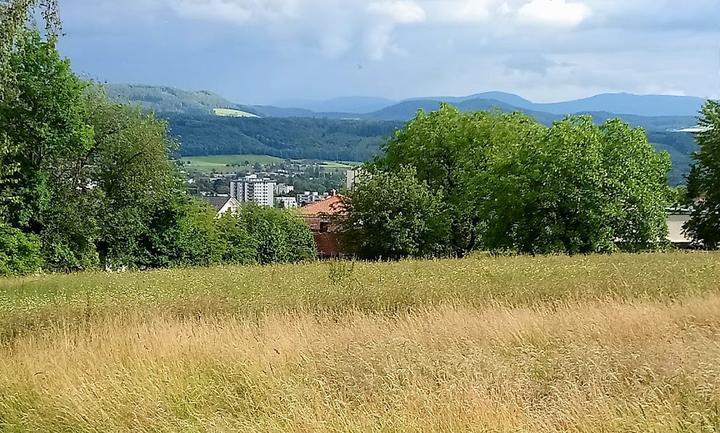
(378, 39)
(462, 10)
(555, 12)
(234, 11)
(399, 11)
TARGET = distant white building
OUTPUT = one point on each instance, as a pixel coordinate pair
(286, 202)
(252, 189)
(353, 177)
(282, 189)
(310, 198)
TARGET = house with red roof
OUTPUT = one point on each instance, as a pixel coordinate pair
(322, 217)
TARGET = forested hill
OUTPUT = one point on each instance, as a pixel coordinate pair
(300, 133)
(295, 138)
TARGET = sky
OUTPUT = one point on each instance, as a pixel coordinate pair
(270, 51)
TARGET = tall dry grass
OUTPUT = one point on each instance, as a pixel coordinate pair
(482, 344)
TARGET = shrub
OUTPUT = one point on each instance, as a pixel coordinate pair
(19, 252)
(279, 236)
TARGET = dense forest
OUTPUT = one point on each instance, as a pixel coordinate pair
(295, 138)
(345, 140)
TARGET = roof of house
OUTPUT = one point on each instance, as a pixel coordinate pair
(218, 202)
(331, 206)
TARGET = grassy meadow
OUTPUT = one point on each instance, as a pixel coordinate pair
(219, 163)
(623, 343)
(232, 163)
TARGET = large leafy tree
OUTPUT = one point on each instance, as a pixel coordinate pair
(704, 180)
(577, 188)
(129, 165)
(510, 183)
(439, 147)
(14, 15)
(392, 215)
(45, 123)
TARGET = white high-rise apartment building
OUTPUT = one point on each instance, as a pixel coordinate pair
(252, 189)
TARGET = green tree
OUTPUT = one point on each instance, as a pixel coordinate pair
(181, 232)
(279, 236)
(130, 168)
(239, 246)
(577, 188)
(451, 151)
(394, 215)
(45, 124)
(510, 183)
(14, 16)
(704, 180)
(19, 252)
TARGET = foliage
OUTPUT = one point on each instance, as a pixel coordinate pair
(393, 215)
(181, 232)
(132, 170)
(278, 235)
(287, 138)
(19, 252)
(448, 149)
(240, 246)
(92, 181)
(46, 126)
(578, 188)
(14, 15)
(510, 183)
(704, 181)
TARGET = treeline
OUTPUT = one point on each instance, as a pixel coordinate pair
(86, 183)
(290, 138)
(450, 183)
(341, 140)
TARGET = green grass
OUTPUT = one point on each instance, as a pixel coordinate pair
(337, 166)
(219, 163)
(228, 112)
(621, 343)
(373, 287)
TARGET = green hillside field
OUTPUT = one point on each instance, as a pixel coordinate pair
(233, 163)
(493, 344)
(219, 163)
(230, 112)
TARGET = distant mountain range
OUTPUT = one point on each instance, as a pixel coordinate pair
(168, 99)
(347, 104)
(619, 103)
(353, 127)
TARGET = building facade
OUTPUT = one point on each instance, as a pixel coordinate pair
(252, 189)
(286, 202)
(283, 189)
(352, 177)
(310, 197)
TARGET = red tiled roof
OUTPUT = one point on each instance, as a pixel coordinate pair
(330, 206)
